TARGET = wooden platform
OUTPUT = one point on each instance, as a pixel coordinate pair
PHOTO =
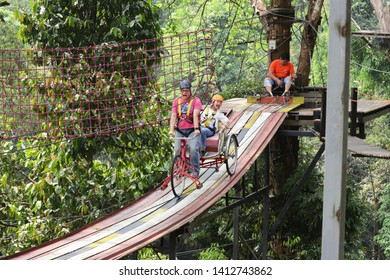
(305, 114)
(370, 109)
(359, 148)
(366, 110)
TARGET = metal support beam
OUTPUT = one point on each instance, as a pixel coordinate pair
(298, 187)
(333, 226)
(212, 216)
(265, 211)
(371, 33)
(295, 133)
(323, 112)
(236, 229)
(172, 245)
(353, 111)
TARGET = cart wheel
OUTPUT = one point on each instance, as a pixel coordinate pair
(231, 154)
(178, 178)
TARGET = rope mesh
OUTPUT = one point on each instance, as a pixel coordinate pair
(100, 90)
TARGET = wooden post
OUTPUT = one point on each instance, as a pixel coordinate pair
(279, 20)
(353, 111)
(284, 150)
(324, 93)
(333, 225)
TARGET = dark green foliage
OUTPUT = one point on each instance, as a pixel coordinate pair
(244, 88)
(239, 38)
(64, 23)
(51, 188)
(363, 13)
(2, 4)
(213, 253)
(8, 28)
(383, 237)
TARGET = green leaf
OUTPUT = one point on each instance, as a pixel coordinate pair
(71, 21)
(4, 179)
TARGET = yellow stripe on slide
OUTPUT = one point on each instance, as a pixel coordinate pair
(154, 214)
(191, 188)
(104, 240)
(297, 101)
(252, 119)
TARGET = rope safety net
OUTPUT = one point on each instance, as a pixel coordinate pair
(100, 90)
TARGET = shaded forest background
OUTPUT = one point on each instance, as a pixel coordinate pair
(50, 189)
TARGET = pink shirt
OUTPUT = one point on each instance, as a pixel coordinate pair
(196, 105)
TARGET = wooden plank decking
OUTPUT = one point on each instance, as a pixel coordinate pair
(360, 148)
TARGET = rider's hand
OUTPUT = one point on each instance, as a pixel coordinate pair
(197, 132)
(171, 133)
(279, 82)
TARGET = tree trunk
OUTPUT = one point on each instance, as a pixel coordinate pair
(283, 150)
(283, 159)
(309, 38)
(382, 11)
(279, 18)
(261, 9)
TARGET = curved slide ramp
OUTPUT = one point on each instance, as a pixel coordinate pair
(159, 212)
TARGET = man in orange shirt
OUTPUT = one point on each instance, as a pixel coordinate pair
(281, 72)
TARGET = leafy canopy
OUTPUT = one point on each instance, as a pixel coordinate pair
(64, 23)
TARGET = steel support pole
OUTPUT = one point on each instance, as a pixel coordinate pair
(265, 211)
(353, 111)
(172, 245)
(236, 223)
(236, 230)
(333, 226)
(294, 193)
